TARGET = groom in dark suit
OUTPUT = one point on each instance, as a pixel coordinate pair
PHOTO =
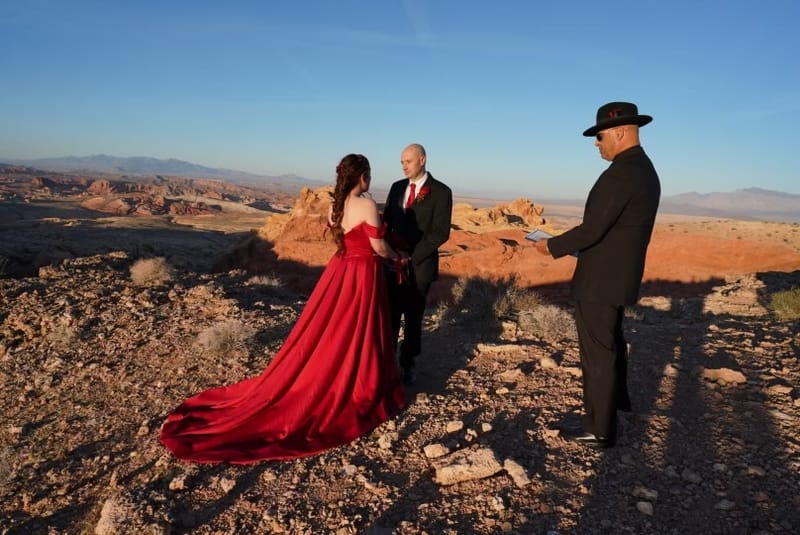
(611, 243)
(417, 214)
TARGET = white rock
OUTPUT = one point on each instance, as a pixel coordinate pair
(645, 507)
(670, 370)
(517, 473)
(226, 484)
(466, 465)
(725, 375)
(725, 505)
(178, 483)
(453, 426)
(349, 469)
(113, 518)
(547, 363)
(386, 440)
(434, 451)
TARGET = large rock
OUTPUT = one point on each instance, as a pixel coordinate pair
(306, 221)
(466, 465)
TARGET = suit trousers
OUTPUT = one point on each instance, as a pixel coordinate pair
(407, 301)
(604, 362)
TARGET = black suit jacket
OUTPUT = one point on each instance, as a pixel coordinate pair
(617, 224)
(423, 228)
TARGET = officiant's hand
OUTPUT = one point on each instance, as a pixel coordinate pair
(541, 246)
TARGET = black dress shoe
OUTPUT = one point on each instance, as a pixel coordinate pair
(589, 439)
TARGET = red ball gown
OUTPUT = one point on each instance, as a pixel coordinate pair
(334, 379)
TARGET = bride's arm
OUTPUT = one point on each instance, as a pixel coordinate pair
(373, 219)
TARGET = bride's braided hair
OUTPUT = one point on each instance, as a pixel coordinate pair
(348, 173)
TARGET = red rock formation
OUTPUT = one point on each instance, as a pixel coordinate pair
(101, 187)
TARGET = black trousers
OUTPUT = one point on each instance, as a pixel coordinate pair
(604, 362)
(407, 301)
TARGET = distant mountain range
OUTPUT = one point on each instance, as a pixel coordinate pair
(141, 165)
(750, 203)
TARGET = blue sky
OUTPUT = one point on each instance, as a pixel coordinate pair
(498, 92)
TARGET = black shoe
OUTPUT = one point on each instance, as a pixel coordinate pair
(589, 439)
(409, 377)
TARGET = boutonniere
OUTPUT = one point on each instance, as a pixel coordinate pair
(423, 192)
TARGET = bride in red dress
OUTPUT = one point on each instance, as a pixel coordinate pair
(334, 379)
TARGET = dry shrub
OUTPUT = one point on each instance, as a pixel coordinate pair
(7, 464)
(549, 322)
(478, 297)
(149, 271)
(60, 331)
(484, 303)
(224, 337)
(264, 280)
(786, 304)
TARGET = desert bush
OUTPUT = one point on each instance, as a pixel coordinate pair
(786, 304)
(60, 331)
(549, 322)
(147, 271)
(264, 280)
(224, 336)
(477, 297)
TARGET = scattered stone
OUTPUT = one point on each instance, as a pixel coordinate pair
(386, 440)
(466, 465)
(756, 471)
(349, 469)
(517, 473)
(226, 484)
(645, 508)
(144, 429)
(434, 451)
(454, 426)
(725, 505)
(178, 483)
(645, 493)
(511, 375)
(779, 389)
(670, 370)
(113, 518)
(548, 363)
(691, 476)
(723, 375)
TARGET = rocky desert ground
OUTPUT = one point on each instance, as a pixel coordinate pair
(120, 300)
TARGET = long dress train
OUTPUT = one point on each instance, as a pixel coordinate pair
(334, 379)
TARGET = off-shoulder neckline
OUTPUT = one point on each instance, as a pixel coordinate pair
(360, 224)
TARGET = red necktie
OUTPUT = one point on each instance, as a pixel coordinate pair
(411, 193)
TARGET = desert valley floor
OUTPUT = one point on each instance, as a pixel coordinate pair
(92, 360)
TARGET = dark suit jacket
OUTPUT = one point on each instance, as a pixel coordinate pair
(423, 228)
(617, 224)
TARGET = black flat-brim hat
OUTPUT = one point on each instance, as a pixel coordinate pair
(616, 114)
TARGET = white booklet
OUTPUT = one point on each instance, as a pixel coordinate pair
(538, 235)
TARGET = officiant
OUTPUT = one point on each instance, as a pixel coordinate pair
(611, 243)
